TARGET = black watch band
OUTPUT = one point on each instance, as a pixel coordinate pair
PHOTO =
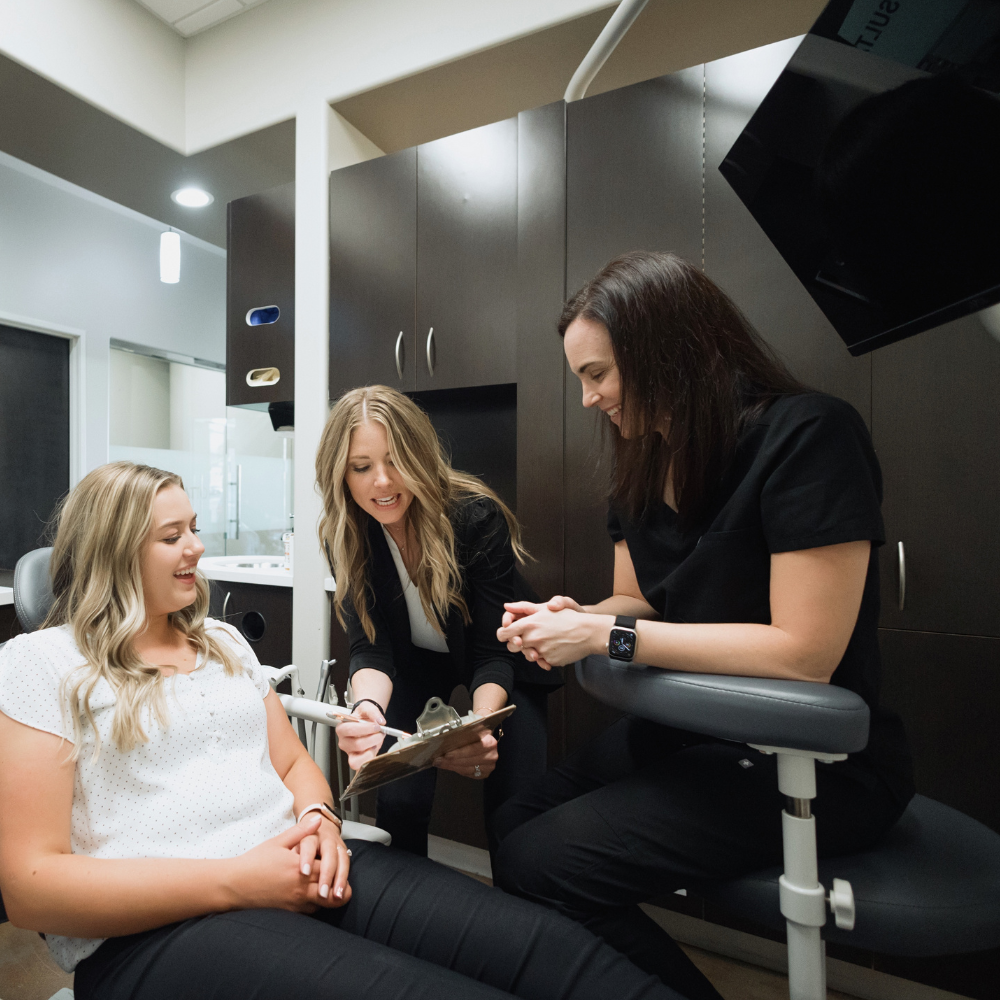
(623, 638)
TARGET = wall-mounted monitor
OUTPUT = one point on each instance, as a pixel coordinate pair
(873, 165)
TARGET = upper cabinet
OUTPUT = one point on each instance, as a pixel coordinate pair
(423, 265)
(373, 265)
(260, 298)
(467, 258)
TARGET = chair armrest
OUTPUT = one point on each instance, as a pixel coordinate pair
(799, 715)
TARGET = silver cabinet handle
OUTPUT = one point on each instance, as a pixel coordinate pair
(399, 355)
(430, 352)
(902, 577)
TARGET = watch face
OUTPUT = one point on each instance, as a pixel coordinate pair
(621, 644)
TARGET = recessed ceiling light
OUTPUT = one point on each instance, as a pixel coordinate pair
(192, 197)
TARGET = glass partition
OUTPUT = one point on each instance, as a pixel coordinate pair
(237, 470)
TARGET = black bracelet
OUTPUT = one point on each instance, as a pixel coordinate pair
(371, 701)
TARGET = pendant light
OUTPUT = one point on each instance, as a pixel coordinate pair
(170, 257)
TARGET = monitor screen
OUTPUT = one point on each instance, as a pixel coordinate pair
(873, 165)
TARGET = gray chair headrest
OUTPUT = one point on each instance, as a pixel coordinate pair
(33, 588)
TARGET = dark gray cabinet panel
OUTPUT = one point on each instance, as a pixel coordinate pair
(541, 263)
(260, 271)
(467, 258)
(947, 690)
(936, 424)
(34, 442)
(744, 262)
(373, 259)
(633, 182)
(273, 604)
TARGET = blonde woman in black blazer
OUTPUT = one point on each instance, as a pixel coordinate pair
(425, 558)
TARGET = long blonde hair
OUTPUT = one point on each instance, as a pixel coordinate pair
(96, 568)
(437, 488)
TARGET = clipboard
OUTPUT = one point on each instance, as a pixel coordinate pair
(439, 729)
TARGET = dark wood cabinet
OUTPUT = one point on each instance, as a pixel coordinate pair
(467, 258)
(373, 260)
(426, 240)
(936, 424)
(260, 273)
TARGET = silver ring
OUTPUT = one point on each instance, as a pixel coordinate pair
(350, 853)
(477, 772)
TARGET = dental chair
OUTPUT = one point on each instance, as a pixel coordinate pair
(932, 887)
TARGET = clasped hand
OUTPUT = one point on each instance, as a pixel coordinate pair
(551, 634)
(283, 872)
(362, 740)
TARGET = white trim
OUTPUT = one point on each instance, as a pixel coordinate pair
(77, 384)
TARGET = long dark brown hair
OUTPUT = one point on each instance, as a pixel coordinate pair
(686, 355)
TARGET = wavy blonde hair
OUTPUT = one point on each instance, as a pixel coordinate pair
(103, 528)
(436, 487)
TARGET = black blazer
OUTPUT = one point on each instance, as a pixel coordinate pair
(489, 578)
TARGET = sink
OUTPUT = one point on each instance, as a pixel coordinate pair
(267, 570)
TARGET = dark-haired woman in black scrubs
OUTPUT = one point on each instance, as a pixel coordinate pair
(745, 512)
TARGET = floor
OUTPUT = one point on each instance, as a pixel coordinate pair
(28, 973)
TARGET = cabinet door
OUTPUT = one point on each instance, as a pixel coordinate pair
(373, 245)
(467, 258)
(936, 427)
(260, 272)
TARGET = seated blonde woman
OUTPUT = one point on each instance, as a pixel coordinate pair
(425, 558)
(164, 828)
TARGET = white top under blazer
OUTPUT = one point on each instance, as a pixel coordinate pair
(204, 787)
(422, 632)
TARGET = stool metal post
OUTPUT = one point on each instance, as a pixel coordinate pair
(803, 898)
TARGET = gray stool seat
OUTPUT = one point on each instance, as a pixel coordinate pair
(799, 715)
(931, 887)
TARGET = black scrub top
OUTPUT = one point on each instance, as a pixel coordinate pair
(804, 475)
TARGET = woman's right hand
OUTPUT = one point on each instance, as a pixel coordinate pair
(270, 874)
(361, 740)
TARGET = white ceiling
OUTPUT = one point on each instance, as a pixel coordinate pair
(188, 17)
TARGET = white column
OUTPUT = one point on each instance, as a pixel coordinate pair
(323, 142)
(310, 609)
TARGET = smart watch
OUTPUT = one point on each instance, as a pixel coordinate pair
(623, 638)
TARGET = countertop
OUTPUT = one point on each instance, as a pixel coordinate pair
(6, 595)
(268, 571)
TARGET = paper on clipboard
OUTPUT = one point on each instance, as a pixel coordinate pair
(418, 752)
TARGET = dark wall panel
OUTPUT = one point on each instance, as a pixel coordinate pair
(34, 437)
(947, 690)
(478, 428)
(633, 182)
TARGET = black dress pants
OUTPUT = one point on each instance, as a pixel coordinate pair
(404, 806)
(644, 810)
(413, 930)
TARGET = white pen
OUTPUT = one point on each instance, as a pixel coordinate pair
(337, 712)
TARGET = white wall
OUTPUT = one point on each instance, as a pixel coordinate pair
(255, 69)
(112, 53)
(69, 258)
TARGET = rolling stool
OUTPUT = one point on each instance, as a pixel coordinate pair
(932, 887)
